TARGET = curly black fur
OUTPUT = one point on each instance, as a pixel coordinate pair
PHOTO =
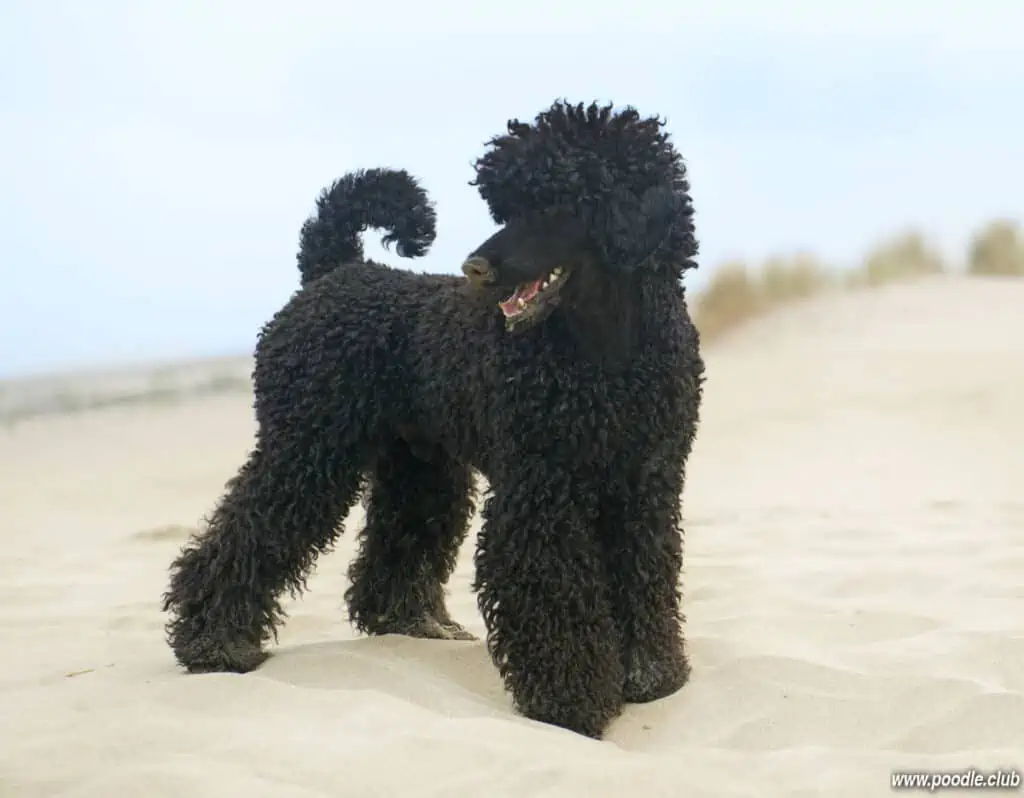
(580, 410)
(388, 199)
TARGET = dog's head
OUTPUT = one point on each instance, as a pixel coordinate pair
(582, 192)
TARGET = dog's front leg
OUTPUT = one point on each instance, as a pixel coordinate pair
(544, 600)
(640, 533)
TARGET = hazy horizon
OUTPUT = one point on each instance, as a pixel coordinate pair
(158, 161)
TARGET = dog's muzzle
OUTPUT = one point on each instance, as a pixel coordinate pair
(479, 271)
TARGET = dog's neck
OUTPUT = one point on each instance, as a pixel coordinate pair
(611, 318)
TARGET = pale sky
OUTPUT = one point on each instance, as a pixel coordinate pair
(157, 158)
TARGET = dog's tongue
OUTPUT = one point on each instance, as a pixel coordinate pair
(525, 292)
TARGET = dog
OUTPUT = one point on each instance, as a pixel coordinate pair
(563, 366)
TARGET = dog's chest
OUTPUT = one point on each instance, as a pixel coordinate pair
(573, 405)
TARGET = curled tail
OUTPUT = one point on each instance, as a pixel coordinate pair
(388, 199)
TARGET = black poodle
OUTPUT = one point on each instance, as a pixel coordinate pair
(564, 367)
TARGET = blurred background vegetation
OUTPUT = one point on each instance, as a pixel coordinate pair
(738, 292)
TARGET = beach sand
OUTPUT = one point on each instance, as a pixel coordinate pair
(854, 592)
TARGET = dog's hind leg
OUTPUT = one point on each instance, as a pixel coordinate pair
(280, 511)
(416, 519)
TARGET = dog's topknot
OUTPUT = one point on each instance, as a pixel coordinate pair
(617, 172)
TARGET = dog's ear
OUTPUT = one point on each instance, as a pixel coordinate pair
(636, 232)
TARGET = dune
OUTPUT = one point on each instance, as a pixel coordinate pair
(854, 594)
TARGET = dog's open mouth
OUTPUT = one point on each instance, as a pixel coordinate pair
(529, 297)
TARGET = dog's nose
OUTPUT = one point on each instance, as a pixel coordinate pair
(478, 270)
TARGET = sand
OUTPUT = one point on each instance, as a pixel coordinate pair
(854, 592)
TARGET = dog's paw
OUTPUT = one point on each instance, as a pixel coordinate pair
(209, 656)
(650, 678)
(457, 631)
(425, 626)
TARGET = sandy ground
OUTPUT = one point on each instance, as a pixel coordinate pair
(854, 592)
